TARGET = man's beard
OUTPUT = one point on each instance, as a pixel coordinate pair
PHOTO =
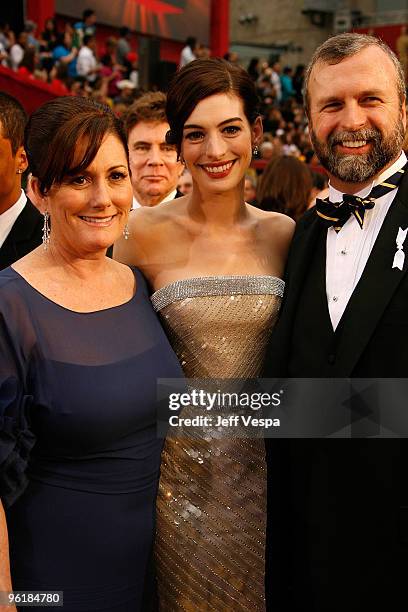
(359, 168)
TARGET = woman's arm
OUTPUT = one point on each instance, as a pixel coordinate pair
(5, 577)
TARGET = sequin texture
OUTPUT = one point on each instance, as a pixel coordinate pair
(211, 522)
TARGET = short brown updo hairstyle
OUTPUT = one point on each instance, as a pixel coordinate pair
(63, 136)
(199, 80)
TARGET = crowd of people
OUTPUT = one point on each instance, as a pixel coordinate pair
(69, 61)
(147, 247)
(67, 58)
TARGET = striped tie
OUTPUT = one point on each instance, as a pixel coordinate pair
(335, 214)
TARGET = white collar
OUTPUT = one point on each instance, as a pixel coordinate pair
(170, 196)
(337, 196)
(9, 217)
(14, 210)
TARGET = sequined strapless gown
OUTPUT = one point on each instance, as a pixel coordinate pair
(210, 547)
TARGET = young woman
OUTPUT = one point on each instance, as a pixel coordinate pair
(215, 264)
(81, 349)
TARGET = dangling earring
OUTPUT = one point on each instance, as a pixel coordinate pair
(255, 150)
(19, 171)
(46, 231)
(126, 232)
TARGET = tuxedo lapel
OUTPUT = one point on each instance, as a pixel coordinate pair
(375, 289)
(300, 255)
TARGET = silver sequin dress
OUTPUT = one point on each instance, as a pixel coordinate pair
(211, 522)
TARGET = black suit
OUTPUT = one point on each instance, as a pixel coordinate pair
(338, 509)
(25, 235)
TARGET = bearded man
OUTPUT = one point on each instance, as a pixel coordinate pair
(338, 509)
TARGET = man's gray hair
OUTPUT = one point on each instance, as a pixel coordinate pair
(337, 48)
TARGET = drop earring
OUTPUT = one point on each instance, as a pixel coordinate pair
(255, 150)
(46, 231)
(126, 232)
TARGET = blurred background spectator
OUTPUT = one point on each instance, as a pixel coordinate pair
(86, 27)
(319, 187)
(87, 66)
(253, 68)
(65, 53)
(188, 52)
(17, 50)
(285, 186)
(185, 182)
(287, 84)
(123, 46)
(250, 189)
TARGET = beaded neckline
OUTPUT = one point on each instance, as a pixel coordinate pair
(203, 286)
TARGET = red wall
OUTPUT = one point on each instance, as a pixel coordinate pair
(29, 92)
(387, 33)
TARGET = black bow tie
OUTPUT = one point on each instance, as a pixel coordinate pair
(335, 214)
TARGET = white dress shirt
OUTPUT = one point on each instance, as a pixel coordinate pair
(9, 217)
(347, 251)
(167, 198)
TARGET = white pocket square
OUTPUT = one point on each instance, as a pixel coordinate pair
(399, 256)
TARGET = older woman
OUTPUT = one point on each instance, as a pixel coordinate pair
(81, 350)
(215, 263)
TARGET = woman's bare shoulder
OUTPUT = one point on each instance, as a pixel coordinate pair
(274, 224)
(156, 216)
(149, 228)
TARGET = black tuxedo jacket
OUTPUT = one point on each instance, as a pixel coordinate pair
(25, 235)
(337, 535)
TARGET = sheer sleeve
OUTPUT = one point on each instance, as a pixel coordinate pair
(16, 439)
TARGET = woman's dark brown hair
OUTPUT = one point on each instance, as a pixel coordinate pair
(285, 186)
(63, 136)
(199, 80)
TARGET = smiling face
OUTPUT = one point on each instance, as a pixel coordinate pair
(217, 142)
(357, 123)
(154, 165)
(89, 210)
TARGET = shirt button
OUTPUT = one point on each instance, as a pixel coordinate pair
(343, 252)
(335, 298)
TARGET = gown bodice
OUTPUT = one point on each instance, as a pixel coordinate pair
(219, 326)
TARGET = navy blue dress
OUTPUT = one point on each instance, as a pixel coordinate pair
(79, 455)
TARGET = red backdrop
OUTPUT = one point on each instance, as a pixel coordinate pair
(29, 92)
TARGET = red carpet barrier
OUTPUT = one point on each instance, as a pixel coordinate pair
(31, 93)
